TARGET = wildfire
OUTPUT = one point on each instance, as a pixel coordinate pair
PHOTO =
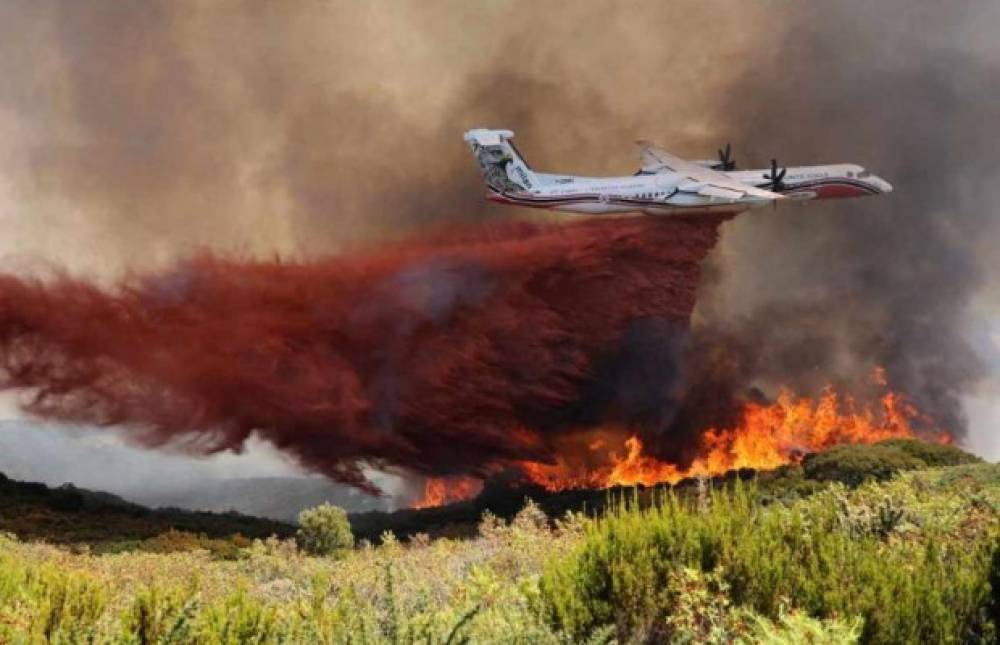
(439, 491)
(767, 436)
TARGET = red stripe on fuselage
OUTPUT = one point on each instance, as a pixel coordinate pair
(832, 188)
(836, 191)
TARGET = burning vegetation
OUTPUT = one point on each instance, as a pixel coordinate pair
(768, 435)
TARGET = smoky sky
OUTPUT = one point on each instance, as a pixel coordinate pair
(133, 134)
(832, 291)
(148, 130)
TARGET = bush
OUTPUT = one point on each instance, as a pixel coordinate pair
(43, 604)
(796, 628)
(929, 591)
(994, 604)
(853, 464)
(174, 541)
(324, 530)
(933, 454)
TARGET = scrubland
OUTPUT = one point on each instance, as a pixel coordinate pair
(909, 555)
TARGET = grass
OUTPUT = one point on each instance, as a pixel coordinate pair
(905, 560)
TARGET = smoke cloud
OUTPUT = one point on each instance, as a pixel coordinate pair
(829, 292)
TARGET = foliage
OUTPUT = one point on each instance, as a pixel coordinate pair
(994, 604)
(852, 464)
(913, 564)
(428, 592)
(788, 560)
(324, 530)
(796, 628)
(179, 541)
(932, 454)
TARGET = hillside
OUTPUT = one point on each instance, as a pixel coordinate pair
(275, 498)
(70, 515)
(262, 485)
(815, 553)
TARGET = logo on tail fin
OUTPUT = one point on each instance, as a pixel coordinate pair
(503, 170)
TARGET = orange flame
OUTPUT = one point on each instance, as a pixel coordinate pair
(439, 491)
(768, 436)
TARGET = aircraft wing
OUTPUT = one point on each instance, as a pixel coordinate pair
(701, 180)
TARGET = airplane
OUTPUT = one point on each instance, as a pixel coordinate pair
(664, 185)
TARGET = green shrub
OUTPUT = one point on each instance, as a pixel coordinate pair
(324, 530)
(929, 590)
(796, 628)
(174, 541)
(700, 611)
(853, 464)
(786, 484)
(933, 454)
(159, 615)
(993, 606)
(43, 604)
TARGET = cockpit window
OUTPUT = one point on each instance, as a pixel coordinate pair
(863, 174)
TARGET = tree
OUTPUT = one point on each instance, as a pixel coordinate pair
(324, 530)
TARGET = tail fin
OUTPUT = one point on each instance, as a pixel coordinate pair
(503, 168)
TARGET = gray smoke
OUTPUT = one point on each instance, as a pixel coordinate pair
(830, 292)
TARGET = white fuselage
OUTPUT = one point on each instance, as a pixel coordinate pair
(658, 194)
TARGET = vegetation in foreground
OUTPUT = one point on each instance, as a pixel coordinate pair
(904, 557)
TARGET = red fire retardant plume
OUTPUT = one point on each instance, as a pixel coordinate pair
(444, 356)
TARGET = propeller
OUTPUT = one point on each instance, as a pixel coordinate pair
(776, 176)
(726, 161)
